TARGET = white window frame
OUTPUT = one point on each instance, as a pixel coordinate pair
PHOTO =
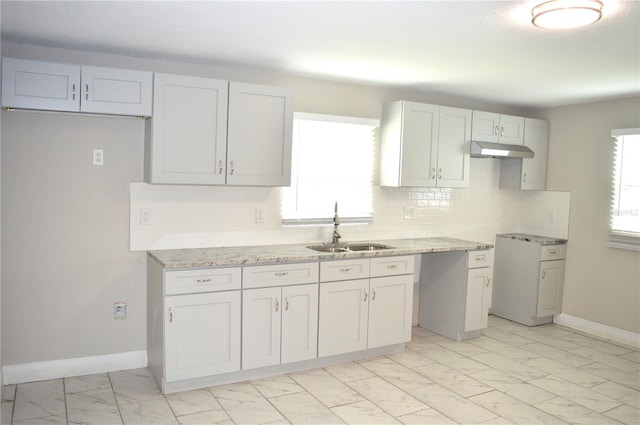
(619, 237)
(324, 213)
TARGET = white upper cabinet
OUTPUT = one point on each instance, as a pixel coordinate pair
(528, 173)
(213, 132)
(259, 135)
(75, 88)
(424, 145)
(497, 128)
(187, 136)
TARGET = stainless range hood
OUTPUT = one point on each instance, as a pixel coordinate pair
(499, 150)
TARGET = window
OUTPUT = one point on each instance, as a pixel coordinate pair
(625, 193)
(333, 161)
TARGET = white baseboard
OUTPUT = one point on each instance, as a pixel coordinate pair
(54, 369)
(598, 329)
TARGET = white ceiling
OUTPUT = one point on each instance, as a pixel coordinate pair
(486, 50)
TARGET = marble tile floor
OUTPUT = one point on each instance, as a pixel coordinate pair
(511, 375)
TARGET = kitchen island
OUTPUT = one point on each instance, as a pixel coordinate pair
(222, 315)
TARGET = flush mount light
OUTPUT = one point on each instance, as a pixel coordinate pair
(560, 14)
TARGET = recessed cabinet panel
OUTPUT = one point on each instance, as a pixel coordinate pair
(478, 299)
(202, 335)
(122, 91)
(260, 135)
(550, 288)
(261, 318)
(390, 310)
(40, 85)
(344, 310)
(419, 147)
(299, 323)
(453, 147)
(534, 170)
(187, 141)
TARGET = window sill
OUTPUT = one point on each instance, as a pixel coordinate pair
(626, 245)
(324, 221)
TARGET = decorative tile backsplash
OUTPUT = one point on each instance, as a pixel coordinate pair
(216, 216)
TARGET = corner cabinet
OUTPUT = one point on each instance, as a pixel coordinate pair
(528, 173)
(364, 304)
(215, 132)
(455, 293)
(497, 128)
(75, 88)
(424, 145)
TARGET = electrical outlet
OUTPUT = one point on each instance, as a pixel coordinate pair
(409, 213)
(120, 310)
(98, 157)
(260, 215)
(551, 216)
(145, 216)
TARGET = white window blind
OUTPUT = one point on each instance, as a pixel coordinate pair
(625, 190)
(333, 161)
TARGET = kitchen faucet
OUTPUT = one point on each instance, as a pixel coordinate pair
(336, 223)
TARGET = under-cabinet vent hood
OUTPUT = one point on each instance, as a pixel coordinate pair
(499, 150)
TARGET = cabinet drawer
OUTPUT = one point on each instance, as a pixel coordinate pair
(201, 280)
(279, 275)
(482, 258)
(552, 252)
(389, 266)
(344, 269)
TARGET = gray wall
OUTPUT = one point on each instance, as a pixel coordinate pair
(601, 284)
(66, 235)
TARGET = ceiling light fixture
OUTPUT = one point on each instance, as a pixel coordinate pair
(561, 14)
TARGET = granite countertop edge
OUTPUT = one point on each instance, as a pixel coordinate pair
(272, 254)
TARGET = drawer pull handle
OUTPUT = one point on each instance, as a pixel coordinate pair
(286, 303)
(554, 252)
(392, 266)
(277, 304)
(170, 314)
(203, 280)
(280, 274)
(366, 294)
(480, 258)
(345, 270)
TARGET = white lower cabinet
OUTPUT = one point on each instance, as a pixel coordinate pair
(455, 293)
(364, 313)
(202, 335)
(279, 325)
(550, 281)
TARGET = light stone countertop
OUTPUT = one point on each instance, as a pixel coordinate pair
(542, 240)
(269, 254)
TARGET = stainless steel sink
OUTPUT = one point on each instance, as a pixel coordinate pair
(349, 247)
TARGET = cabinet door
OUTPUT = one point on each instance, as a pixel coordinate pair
(187, 141)
(261, 320)
(202, 335)
(453, 147)
(390, 310)
(477, 298)
(511, 130)
(344, 309)
(485, 127)
(550, 288)
(40, 85)
(260, 135)
(299, 323)
(419, 143)
(116, 91)
(534, 170)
